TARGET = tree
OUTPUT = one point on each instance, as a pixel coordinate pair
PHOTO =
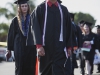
(3, 11)
(3, 32)
(11, 13)
(84, 16)
(32, 4)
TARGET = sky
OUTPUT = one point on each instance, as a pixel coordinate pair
(86, 6)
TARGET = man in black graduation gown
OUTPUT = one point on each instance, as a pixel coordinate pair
(78, 35)
(51, 29)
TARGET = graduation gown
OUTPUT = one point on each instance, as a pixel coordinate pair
(98, 42)
(78, 34)
(98, 47)
(90, 55)
(54, 49)
(25, 56)
(78, 42)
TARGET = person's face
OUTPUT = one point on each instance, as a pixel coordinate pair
(86, 28)
(98, 31)
(24, 8)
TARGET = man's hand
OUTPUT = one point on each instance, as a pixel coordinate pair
(41, 51)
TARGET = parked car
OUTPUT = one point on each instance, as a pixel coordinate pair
(3, 49)
(2, 53)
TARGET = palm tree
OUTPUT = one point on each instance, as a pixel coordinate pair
(3, 11)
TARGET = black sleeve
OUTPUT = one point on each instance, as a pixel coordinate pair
(36, 32)
(11, 36)
(74, 36)
(69, 30)
(96, 42)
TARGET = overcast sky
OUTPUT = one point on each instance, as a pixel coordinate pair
(86, 6)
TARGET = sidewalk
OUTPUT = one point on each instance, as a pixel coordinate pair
(77, 71)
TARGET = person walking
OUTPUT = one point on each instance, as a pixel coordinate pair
(78, 36)
(98, 43)
(52, 32)
(89, 46)
(25, 56)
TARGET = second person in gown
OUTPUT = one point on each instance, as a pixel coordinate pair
(25, 56)
(89, 42)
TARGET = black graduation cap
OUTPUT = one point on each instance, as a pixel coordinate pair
(81, 22)
(72, 15)
(21, 1)
(88, 23)
(59, 1)
(98, 26)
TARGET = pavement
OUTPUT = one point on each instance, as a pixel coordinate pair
(8, 68)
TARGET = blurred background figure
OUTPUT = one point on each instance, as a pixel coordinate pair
(78, 35)
(98, 30)
(81, 59)
(88, 49)
(98, 44)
